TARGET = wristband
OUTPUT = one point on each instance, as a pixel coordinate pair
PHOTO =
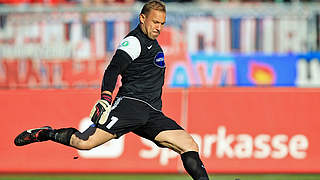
(106, 97)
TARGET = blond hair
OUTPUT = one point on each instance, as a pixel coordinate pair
(155, 5)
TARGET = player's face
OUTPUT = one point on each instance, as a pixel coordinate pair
(153, 23)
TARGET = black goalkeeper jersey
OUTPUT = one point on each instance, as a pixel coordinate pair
(144, 76)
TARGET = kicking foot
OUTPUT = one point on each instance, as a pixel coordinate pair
(30, 136)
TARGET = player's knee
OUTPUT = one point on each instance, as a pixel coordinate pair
(191, 146)
(195, 146)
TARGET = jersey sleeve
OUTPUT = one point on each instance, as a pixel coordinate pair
(131, 45)
(128, 50)
(119, 63)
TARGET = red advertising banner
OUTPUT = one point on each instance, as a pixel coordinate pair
(243, 130)
(257, 129)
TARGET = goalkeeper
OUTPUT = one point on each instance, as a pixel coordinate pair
(139, 59)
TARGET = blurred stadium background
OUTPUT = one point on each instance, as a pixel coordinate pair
(243, 77)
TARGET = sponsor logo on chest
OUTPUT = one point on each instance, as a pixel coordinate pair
(159, 60)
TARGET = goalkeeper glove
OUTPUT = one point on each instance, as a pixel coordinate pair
(100, 111)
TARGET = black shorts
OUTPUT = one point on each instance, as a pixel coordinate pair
(130, 115)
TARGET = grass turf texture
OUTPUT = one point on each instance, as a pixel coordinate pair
(157, 177)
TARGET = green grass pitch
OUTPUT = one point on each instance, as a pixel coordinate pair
(156, 177)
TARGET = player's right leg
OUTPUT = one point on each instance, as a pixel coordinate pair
(126, 116)
(89, 139)
(31, 136)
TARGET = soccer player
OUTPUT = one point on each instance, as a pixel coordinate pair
(137, 108)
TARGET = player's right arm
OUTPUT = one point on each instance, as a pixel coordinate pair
(119, 63)
(128, 51)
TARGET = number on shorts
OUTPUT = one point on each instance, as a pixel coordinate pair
(112, 122)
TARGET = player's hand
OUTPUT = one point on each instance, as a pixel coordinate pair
(100, 111)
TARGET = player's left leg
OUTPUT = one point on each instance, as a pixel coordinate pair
(165, 132)
(181, 142)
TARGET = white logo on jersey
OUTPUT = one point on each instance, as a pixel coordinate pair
(131, 45)
(149, 47)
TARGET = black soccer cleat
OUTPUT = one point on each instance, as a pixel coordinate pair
(30, 136)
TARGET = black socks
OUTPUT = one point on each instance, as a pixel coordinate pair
(191, 160)
(61, 136)
(193, 165)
